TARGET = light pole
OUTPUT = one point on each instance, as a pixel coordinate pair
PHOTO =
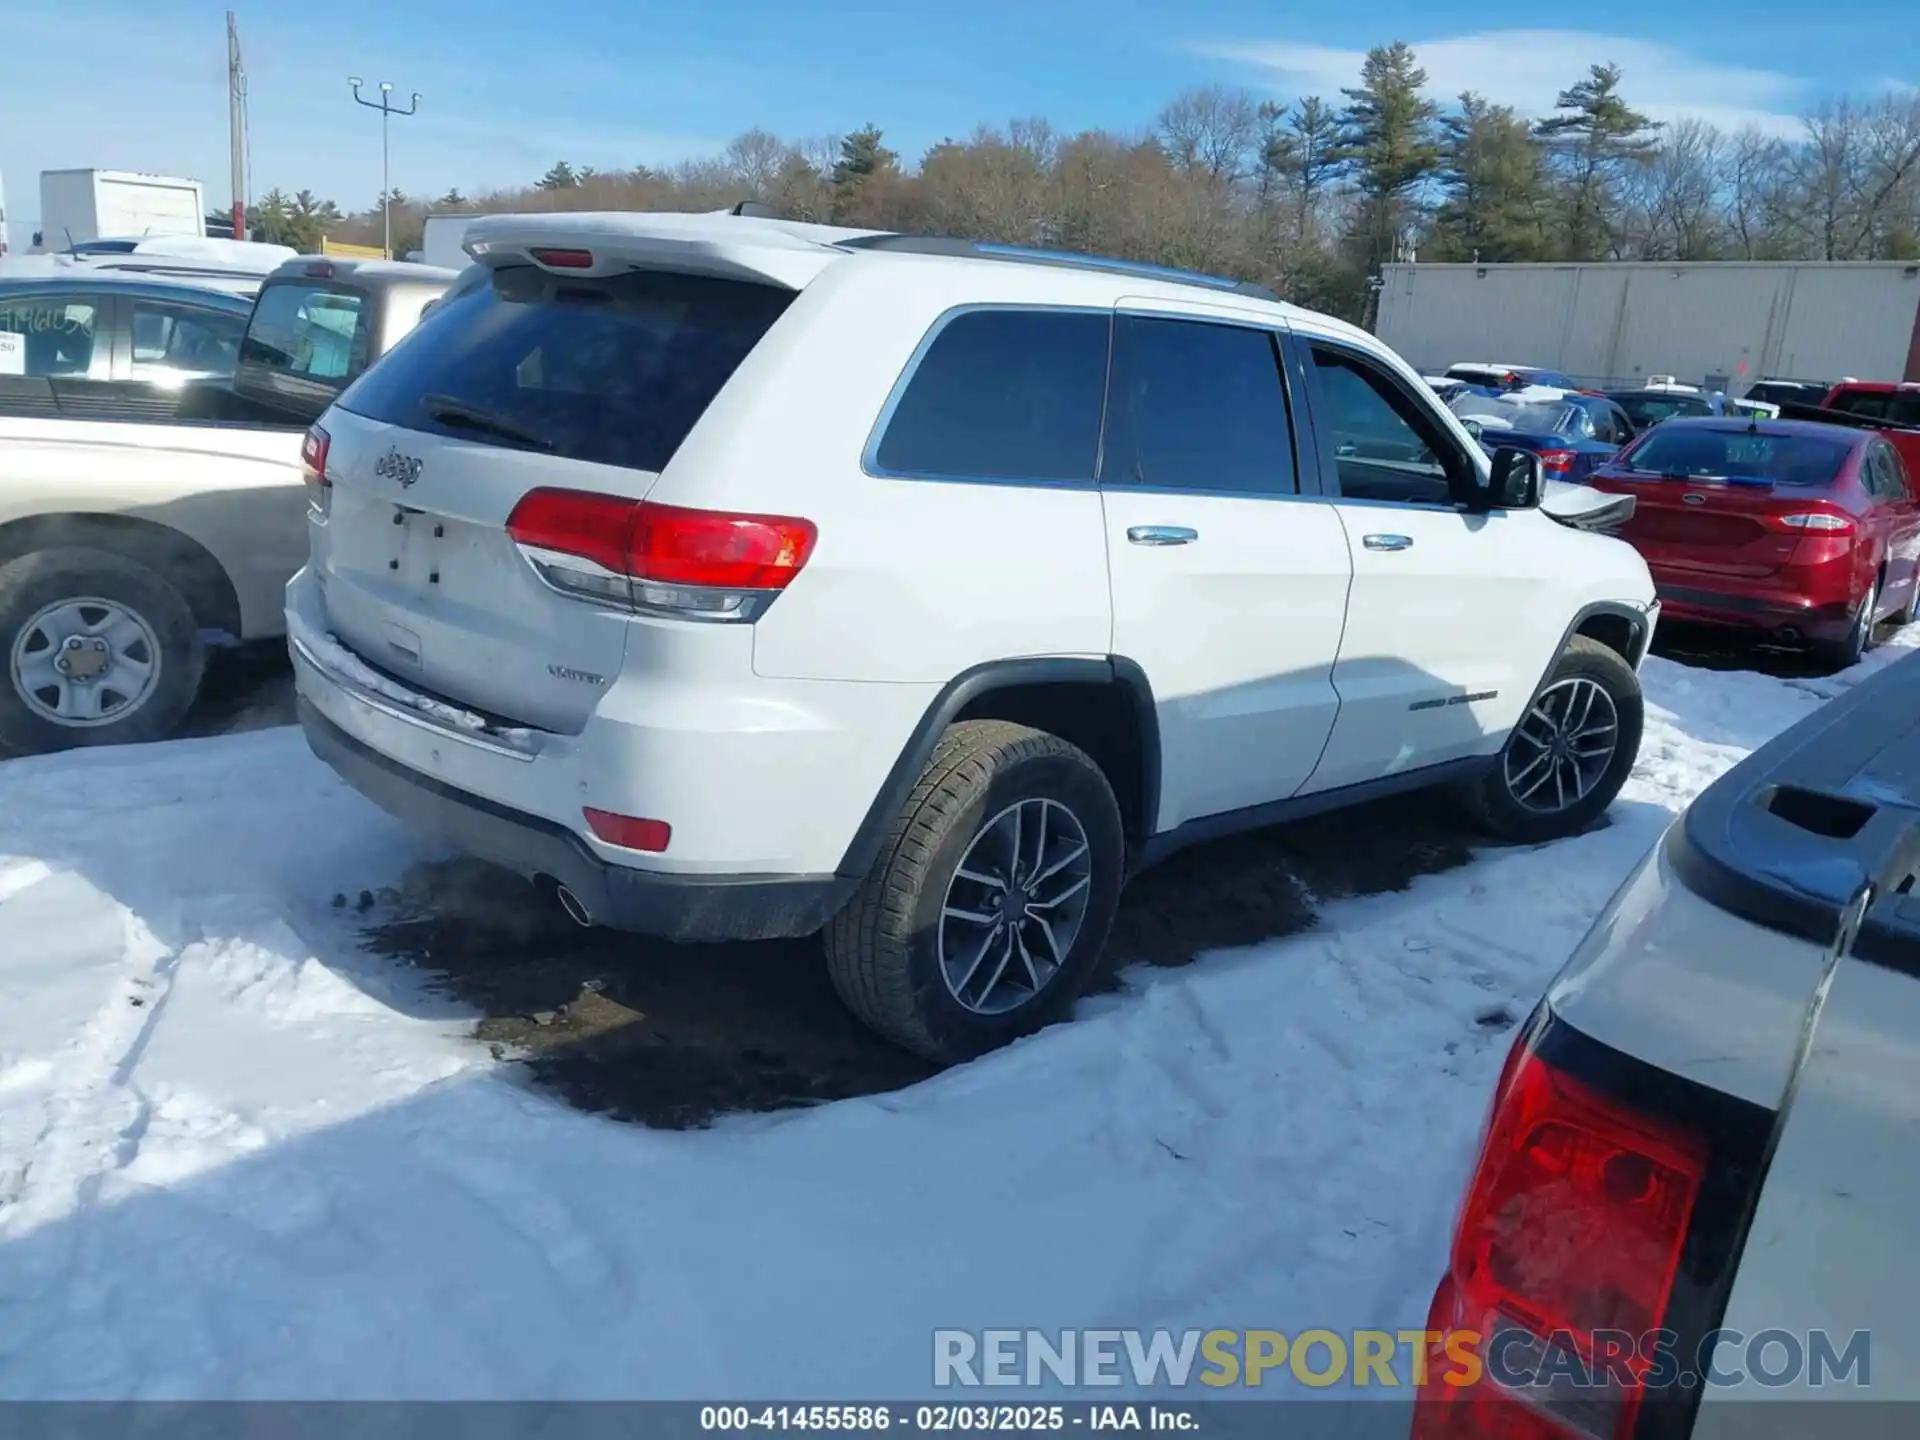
(387, 108)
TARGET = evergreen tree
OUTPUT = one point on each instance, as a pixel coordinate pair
(1592, 144)
(1302, 150)
(452, 200)
(1495, 186)
(862, 155)
(561, 176)
(862, 158)
(1387, 128)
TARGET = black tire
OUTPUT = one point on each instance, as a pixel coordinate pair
(45, 577)
(1845, 653)
(1495, 800)
(883, 949)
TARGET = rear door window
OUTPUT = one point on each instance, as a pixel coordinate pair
(1003, 395)
(614, 370)
(1197, 406)
(184, 341)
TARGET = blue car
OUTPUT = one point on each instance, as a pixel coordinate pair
(1574, 434)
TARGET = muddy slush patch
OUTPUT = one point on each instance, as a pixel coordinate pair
(674, 1035)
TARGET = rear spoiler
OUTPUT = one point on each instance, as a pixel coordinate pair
(1793, 410)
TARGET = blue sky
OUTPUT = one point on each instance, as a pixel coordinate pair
(510, 87)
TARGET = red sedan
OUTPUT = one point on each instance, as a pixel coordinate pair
(1806, 532)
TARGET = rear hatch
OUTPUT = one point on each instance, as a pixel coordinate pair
(1727, 501)
(307, 339)
(582, 372)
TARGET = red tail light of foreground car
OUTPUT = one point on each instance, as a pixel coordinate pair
(1570, 1237)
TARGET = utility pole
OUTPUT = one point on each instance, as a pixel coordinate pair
(237, 126)
(387, 109)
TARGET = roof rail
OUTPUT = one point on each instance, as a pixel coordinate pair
(1067, 259)
(753, 209)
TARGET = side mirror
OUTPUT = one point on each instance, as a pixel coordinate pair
(1473, 428)
(1518, 480)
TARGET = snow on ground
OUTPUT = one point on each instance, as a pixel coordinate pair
(240, 1158)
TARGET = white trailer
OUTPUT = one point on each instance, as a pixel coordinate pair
(440, 241)
(1725, 324)
(80, 205)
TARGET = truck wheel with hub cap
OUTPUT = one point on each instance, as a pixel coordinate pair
(100, 650)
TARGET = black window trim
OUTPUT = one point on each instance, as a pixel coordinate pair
(1306, 472)
(1304, 344)
(870, 452)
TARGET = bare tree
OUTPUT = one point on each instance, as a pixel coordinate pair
(1751, 176)
(1679, 194)
(1211, 130)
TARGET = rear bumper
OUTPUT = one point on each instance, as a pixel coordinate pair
(1746, 608)
(671, 906)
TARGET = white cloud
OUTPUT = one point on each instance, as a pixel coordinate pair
(1528, 68)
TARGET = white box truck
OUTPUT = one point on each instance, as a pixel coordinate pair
(80, 205)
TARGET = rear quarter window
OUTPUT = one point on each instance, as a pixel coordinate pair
(1002, 395)
(615, 370)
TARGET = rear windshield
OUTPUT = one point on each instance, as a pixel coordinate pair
(1645, 410)
(1739, 455)
(614, 370)
(1899, 407)
(309, 332)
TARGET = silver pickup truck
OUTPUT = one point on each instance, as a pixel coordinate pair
(152, 500)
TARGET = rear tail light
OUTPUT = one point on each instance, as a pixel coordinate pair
(660, 559)
(1816, 521)
(313, 468)
(1556, 462)
(1570, 1237)
(564, 259)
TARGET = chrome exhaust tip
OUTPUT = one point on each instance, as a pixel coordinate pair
(570, 903)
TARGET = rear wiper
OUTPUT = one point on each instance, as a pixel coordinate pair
(449, 411)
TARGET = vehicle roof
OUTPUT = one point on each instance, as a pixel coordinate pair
(372, 273)
(1082, 278)
(1743, 425)
(1788, 836)
(1878, 387)
(221, 296)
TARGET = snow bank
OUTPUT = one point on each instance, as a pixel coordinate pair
(239, 1158)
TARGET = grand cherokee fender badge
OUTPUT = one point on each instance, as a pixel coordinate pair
(567, 672)
(395, 466)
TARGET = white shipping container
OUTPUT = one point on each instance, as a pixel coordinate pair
(1731, 322)
(82, 205)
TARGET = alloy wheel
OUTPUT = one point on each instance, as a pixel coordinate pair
(1014, 906)
(1562, 746)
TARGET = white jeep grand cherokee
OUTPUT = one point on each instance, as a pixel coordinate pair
(741, 578)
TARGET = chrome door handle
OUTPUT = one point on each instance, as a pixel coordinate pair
(1387, 542)
(1161, 535)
